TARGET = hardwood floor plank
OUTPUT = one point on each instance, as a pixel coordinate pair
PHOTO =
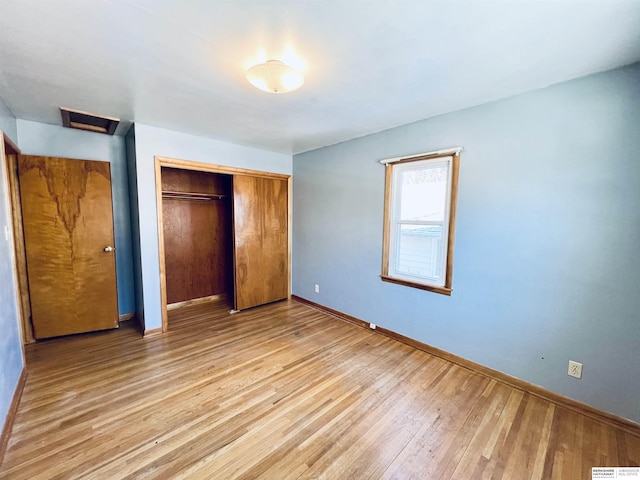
(285, 391)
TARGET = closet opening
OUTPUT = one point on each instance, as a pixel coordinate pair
(197, 227)
(224, 235)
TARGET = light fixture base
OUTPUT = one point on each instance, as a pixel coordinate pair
(275, 77)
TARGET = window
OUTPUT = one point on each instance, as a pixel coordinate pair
(419, 220)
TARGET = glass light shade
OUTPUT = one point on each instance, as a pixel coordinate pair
(275, 77)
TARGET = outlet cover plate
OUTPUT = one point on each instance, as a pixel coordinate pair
(575, 369)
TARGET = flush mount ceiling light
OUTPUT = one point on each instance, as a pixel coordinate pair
(275, 77)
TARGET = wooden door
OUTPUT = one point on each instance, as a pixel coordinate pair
(260, 216)
(68, 230)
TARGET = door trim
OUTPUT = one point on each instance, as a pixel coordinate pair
(9, 151)
(210, 168)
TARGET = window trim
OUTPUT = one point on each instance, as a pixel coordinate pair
(388, 207)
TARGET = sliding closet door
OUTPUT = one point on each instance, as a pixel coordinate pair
(260, 209)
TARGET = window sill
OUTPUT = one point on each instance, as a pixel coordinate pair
(421, 286)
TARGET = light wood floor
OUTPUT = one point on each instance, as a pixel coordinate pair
(284, 392)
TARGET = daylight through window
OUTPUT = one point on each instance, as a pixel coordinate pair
(420, 200)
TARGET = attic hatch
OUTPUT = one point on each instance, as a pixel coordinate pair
(88, 121)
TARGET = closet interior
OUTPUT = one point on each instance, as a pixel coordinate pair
(198, 235)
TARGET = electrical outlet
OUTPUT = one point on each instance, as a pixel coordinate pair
(575, 369)
(372, 326)
(317, 288)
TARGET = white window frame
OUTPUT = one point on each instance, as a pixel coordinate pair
(392, 222)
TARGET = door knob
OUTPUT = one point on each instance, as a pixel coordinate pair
(109, 248)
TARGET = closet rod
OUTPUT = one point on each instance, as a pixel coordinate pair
(194, 196)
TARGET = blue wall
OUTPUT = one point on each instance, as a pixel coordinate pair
(8, 123)
(50, 140)
(546, 264)
(152, 141)
(11, 359)
(130, 148)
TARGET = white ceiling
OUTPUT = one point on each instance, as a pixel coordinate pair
(369, 64)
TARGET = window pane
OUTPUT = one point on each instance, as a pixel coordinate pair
(419, 251)
(423, 194)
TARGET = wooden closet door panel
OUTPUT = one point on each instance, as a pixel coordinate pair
(260, 212)
(68, 222)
